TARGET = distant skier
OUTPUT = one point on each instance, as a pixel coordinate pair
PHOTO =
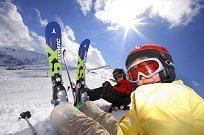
(118, 95)
(159, 106)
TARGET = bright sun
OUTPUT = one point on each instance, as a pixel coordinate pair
(133, 25)
(123, 14)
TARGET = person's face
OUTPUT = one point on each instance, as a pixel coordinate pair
(120, 78)
(154, 79)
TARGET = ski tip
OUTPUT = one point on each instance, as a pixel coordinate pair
(52, 23)
(86, 41)
(52, 31)
(52, 27)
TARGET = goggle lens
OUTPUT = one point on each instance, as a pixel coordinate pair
(145, 68)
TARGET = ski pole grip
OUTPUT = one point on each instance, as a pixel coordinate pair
(24, 115)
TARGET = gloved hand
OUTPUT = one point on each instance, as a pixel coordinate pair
(106, 84)
(106, 90)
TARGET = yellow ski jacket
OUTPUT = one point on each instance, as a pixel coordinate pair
(164, 109)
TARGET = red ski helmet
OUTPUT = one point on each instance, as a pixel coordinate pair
(156, 51)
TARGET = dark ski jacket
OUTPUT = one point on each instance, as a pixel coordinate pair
(124, 86)
(117, 95)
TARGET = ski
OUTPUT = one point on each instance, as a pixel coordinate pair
(53, 47)
(81, 67)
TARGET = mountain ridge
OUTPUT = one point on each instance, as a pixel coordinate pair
(17, 56)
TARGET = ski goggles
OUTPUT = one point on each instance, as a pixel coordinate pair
(146, 68)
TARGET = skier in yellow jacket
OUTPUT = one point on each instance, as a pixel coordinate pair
(159, 106)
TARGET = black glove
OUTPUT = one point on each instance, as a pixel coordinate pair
(106, 90)
(106, 84)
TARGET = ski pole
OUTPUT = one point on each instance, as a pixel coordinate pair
(64, 53)
(73, 89)
(26, 115)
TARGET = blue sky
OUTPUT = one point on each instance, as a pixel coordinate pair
(178, 25)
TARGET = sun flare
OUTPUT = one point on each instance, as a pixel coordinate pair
(134, 25)
(124, 14)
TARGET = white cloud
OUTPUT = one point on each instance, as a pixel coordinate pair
(70, 32)
(38, 42)
(13, 31)
(94, 58)
(176, 12)
(195, 83)
(66, 29)
(86, 5)
(43, 22)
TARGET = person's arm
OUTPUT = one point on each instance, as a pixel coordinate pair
(119, 89)
(113, 96)
(95, 94)
(128, 124)
(124, 87)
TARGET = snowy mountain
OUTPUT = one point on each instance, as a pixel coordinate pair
(16, 56)
(31, 90)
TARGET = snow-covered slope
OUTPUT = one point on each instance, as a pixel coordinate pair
(30, 89)
(17, 56)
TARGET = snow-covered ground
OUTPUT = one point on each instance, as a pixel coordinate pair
(30, 89)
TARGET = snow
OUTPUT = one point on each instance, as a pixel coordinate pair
(30, 89)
